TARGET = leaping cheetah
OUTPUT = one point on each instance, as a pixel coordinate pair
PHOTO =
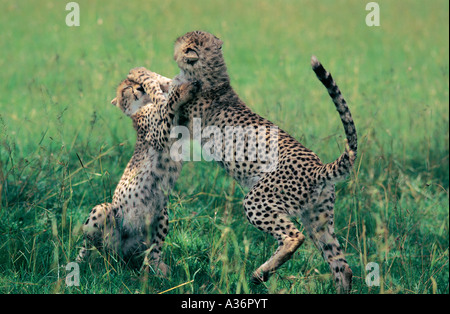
(300, 185)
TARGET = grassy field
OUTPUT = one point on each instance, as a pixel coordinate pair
(55, 91)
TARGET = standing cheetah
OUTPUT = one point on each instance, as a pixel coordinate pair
(135, 224)
(299, 185)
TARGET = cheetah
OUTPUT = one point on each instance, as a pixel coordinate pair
(134, 225)
(297, 185)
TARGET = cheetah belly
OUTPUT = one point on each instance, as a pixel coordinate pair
(243, 175)
(139, 197)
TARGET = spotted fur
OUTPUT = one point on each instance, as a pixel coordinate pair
(297, 185)
(135, 224)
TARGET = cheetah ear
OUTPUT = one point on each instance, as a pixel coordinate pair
(190, 56)
(114, 102)
(218, 42)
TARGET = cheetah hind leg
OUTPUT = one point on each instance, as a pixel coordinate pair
(84, 252)
(286, 248)
(319, 224)
(266, 216)
(158, 266)
(153, 257)
(328, 244)
(92, 231)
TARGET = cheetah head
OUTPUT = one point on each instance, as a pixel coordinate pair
(199, 54)
(130, 97)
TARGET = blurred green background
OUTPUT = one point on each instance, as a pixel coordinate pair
(55, 91)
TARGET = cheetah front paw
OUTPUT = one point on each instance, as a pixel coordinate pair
(140, 74)
(186, 92)
(189, 90)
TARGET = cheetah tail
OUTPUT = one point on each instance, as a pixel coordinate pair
(340, 168)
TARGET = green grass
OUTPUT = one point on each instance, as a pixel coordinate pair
(57, 82)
